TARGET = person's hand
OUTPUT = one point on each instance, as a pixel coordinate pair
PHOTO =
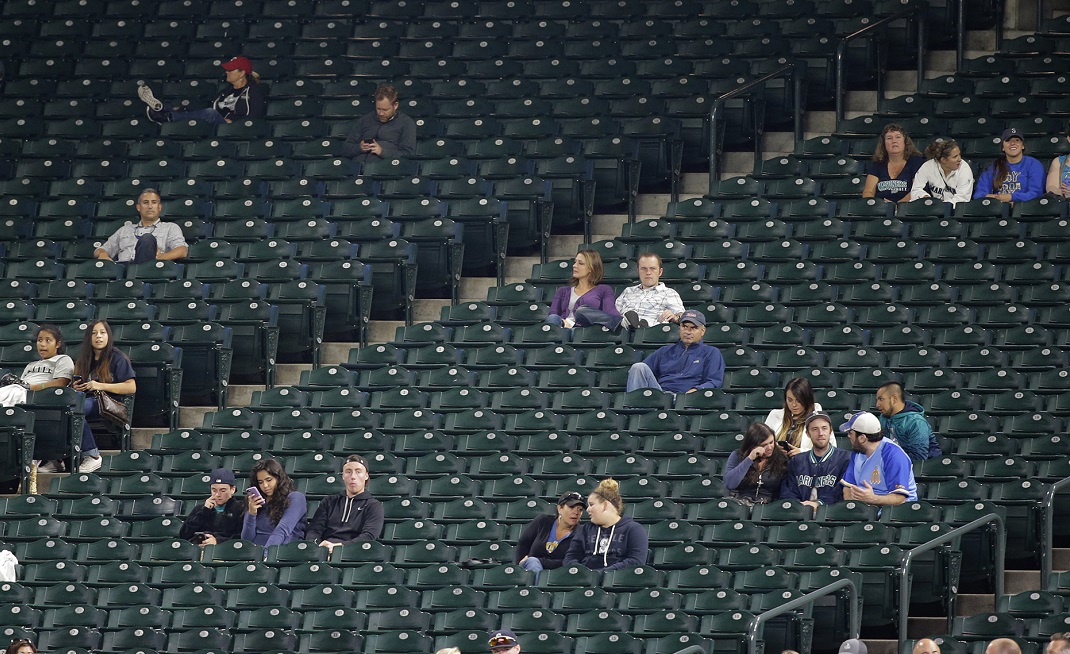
(229, 121)
(690, 391)
(1065, 190)
(667, 316)
(1002, 197)
(84, 386)
(568, 323)
(209, 539)
(521, 561)
(209, 503)
(858, 493)
(329, 545)
(792, 450)
(811, 503)
(254, 503)
(754, 454)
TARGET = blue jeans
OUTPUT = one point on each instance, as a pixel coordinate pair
(204, 115)
(534, 565)
(587, 316)
(641, 376)
(89, 444)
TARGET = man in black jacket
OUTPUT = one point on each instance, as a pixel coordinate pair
(351, 515)
(220, 518)
(385, 133)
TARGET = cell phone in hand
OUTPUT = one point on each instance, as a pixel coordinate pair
(368, 141)
(254, 493)
(784, 444)
(77, 379)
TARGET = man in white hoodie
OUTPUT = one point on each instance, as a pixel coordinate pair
(351, 515)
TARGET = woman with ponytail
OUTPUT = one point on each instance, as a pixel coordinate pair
(611, 540)
(1012, 177)
(945, 176)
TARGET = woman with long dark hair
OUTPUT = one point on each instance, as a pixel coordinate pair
(1013, 177)
(788, 423)
(895, 162)
(21, 646)
(584, 291)
(755, 471)
(100, 367)
(276, 512)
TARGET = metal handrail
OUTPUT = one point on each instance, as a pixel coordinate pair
(1049, 514)
(909, 556)
(841, 53)
(790, 71)
(853, 618)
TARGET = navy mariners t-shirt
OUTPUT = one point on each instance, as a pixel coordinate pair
(895, 189)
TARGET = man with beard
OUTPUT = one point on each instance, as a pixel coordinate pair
(385, 133)
(351, 515)
(814, 476)
(880, 471)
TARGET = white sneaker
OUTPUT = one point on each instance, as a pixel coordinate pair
(89, 464)
(51, 466)
(148, 98)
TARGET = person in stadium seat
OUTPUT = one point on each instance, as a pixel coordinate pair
(1003, 646)
(853, 646)
(275, 514)
(879, 471)
(1058, 182)
(1059, 643)
(611, 540)
(504, 641)
(926, 646)
(584, 290)
(21, 646)
(100, 368)
(544, 542)
(148, 239)
(351, 515)
(756, 471)
(243, 96)
(946, 176)
(798, 405)
(814, 476)
(1012, 177)
(220, 517)
(384, 133)
(683, 367)
(650, 302)
(895, 162)
(903, 421)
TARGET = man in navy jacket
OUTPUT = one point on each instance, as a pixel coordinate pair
(683, 367)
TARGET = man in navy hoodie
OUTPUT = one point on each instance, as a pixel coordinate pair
(683, 367)
(351, 515)
(814, 476)
(903, 421)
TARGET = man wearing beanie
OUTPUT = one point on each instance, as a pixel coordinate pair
(880, 471)
(219, 519)
(351, 515)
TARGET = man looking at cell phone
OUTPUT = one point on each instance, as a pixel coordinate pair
(384, 133)
(814, 476)
(219, 518)
(352, 515)
(880, 471)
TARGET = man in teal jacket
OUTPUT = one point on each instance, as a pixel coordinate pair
(904, 422)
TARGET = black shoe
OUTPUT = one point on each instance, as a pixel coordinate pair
(631, 320)
(160, 117)
(644, 323)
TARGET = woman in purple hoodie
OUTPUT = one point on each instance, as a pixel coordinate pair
(276, 512)
(583, 290)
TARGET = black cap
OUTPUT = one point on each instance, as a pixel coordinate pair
(502, 639)
(572, 498)
(221, 476)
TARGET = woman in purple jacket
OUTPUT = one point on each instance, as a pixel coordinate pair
(583, 290)
(275, 514)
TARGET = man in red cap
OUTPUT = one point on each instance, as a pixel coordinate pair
(242, 97)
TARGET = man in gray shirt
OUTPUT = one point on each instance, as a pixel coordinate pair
(384, 133)
(148, 239)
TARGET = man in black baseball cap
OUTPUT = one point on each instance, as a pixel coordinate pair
(503, 641)
(683, 367)
(220, 518)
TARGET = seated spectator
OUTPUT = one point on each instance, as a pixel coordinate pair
(384, 133)
(1013, 177)
(1059, 173)
(1003, 646)
(21, 646)
(149, 239)
(544, 541)
(583, 290)
(814, 476)
(903, 421)
(755, 472)
(242, 97)
(683, 367)
(221, 516)
(276, 514)
(798, 405)
(928, 646)
(1058, 644)
(895, 162)
(351, 515)
(502, 641)
(650, 302)
(879, 471)
(945, 176)
(100, 369)
(622, 544)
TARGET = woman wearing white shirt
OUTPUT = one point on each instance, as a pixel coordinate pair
(945, 176)
(788, 424)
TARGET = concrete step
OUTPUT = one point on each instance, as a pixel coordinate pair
(820, 122)
(734, 164)
(564, 246)
(925, 627)
(520, 266)
(653, 204)
(241, 394)
(141, 437)
(332, 353)
(774, 143)
(694, 185)
(902, 81)
(428, 309)
(875, 646)
(475, 288)
(1015, 581)
(381, 331)
(192, 417)
(970, 604)
(1060, 559)
(612, 223)
(864, 101)
(289, 374)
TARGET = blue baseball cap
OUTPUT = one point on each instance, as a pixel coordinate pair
(694, 317)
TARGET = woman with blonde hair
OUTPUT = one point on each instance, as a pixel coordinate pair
(945, 176)
(611, 540)
(584, 290)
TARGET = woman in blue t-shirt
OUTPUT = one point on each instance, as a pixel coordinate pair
(1013, 177)
(895, 162)
(101, 368)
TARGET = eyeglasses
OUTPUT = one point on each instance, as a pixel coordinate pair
(504, 641)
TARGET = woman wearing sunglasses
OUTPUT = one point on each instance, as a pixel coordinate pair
(543, 543)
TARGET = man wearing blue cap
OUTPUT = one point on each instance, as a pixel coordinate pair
(880, 471)
(220, 518)
(683, 367)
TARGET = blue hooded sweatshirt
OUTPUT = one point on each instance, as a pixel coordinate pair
(912, 432)
(624, 545)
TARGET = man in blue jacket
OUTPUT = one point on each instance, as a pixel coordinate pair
(903, 421)
(683, 367)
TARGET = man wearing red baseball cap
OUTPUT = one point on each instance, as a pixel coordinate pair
(242, 97)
